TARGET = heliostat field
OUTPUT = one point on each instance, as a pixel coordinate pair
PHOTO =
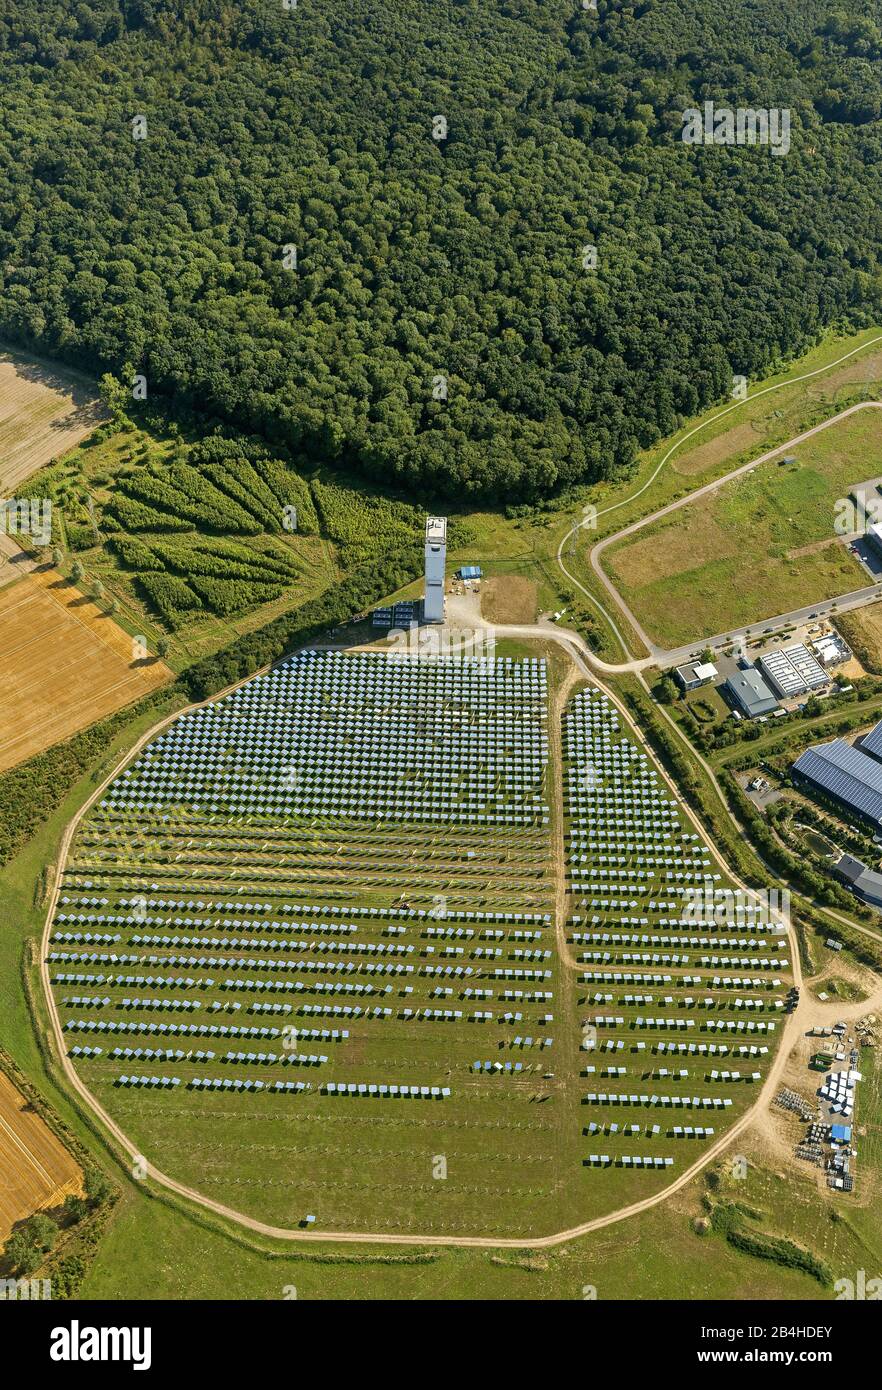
(303, 948)
(306, 953)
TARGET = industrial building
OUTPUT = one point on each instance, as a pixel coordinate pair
(831, 649)
(793, 671)
(872, 742)
(749, 692)
(436, 565)
(874, 537)
(846, 775)
(695, 674)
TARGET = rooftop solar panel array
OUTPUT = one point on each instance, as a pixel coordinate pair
(872, 742)
(844, 772)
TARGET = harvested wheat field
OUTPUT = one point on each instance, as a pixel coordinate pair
(64, 665)
(44, 411)
(36, 1170)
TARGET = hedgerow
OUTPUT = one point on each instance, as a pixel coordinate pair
(172, 598)
(225, 597)
(133, 514)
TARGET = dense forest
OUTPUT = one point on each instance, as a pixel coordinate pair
(439, 326)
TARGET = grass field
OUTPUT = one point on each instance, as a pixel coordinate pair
(36, 1171)
(509, 599)
(758, 546)
(66, 664)
(44, 412)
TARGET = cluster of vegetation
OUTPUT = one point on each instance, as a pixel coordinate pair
(222, 486)
(33, 1241)
(336, 605)
(180, 578)
(59, 1244)
(423, 309)
(360, 521)
(780, 754)
(218, 526)
(584, 620)
(784, 813)
(729, 1219)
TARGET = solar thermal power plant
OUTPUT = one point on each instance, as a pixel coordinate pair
(304, 952)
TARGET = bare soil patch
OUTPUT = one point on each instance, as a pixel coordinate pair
(509, 598)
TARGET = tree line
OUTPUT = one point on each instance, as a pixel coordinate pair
(493, 308)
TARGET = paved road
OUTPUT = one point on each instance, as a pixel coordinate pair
(827, 608)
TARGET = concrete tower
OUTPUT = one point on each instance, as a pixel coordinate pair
(436, 563)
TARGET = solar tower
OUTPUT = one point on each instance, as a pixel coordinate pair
(436, 562)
